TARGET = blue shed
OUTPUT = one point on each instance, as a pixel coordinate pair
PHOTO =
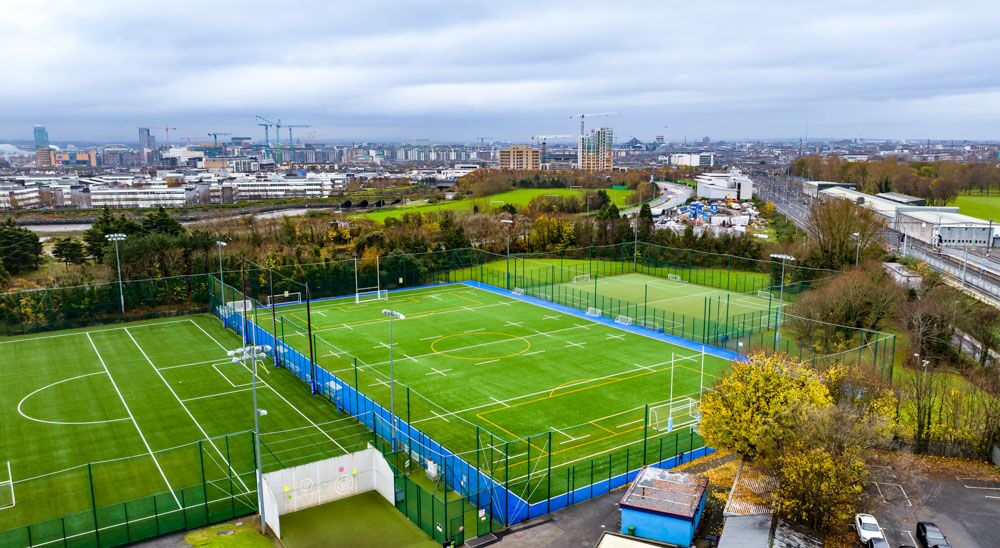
(663, 505)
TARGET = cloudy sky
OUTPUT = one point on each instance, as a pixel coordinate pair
(455, 71)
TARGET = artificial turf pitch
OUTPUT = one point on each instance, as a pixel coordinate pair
(476, 369)
(135, 399)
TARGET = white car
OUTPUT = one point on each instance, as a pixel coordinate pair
(867, 527)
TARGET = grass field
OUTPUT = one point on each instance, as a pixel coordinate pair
(978, 205)
(468, 359)
(365, 520)
(135, 399)
(519, 197)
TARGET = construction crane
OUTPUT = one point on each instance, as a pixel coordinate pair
(290, 126)
(188, 139)
(483, 140)
(277, 136)
(166, 129)
(215, 136)
(582, 117)
(541, 139)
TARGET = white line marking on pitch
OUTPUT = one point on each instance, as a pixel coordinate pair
(575, 439)
(429, 338)
(435, 297)
(334, 354)
(616, 336)
(347, 326)
(554, 429)
(646, 367)
(474, 330)
(501, 402)
(533, 353)
(514, 324)
(575, 344)
(136, 424)
(379, 382)
(215, 395)
(438, 415)
(409, 357)
(321, 313)
(550, 317)
(442, 372)
(628, 423)
(381, 345)
(482, 363)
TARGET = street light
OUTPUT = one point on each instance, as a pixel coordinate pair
(253, 354)
(857, 251)
(781, 295)
(510, 224)
(220, 244)
(118, 237)
(392, 315)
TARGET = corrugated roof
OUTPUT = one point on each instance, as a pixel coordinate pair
(664, 491)
(746, 532)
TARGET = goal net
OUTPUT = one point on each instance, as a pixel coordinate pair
(654, 326)
(365, 296)
(678, 413)
(518, 291)
(288, 297)
(591, 311)
(674, 278)
(581, 278)
(764, 293)
(623, 320)
(7, 499)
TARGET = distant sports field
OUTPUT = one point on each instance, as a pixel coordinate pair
(977, 205)
(472, 364)
(135, 399)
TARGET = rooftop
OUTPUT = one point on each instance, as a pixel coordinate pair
(667, 492)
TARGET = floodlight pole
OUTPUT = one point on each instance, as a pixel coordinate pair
(392, 314)
(254, 353)
(509, 223)
(857, 250)
(781, 296)
(220, 244)
(117, 237)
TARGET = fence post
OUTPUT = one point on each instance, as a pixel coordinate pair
(204, 485)
(548, 478)
(93, 503)
(312, 353)
(645, 437)
(506, 482)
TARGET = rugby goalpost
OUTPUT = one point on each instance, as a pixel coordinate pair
(370, 293)
(7, 499)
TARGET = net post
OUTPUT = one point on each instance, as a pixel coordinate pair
(93, 503)
(357, 413)
(506, 482)
(548, 477)
(274, 318)
(645, 433)
(312, 350)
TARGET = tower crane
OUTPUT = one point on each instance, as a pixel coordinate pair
(290, 126)
(215, 136)
(277, 136)
(166, 129)
(583, 117)
(541, 139)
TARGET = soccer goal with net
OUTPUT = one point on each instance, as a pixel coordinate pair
(764, 293)
(677, 413)
(518, 291)
(674, 278)
(623, 320)
(591, 311)
(376, 295)
(654, 326)
(288, 297)
(581, 278)
(7, 499)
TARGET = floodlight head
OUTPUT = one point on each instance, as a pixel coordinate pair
(263, 412)
(507, 221)
(856, 234)
(782, 257)
(393, 314)
(115, 237)
(265, 348)
(237, 359)
(232, 353)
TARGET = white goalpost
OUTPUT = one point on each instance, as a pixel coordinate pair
(764, 293)
(591, 311)
(370, 293)
(518, 291)
(674, 278)
(623, 320)
(581, 278)
(674, 414)
(7, 499)
(288, 297)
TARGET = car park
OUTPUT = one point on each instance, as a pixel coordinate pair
(929, 535)
(867, 527)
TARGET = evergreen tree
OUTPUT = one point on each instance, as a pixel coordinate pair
(20, 248)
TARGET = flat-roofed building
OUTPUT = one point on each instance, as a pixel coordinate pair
(731, 185)
(945, 228)
(138, 197)
(19, 197)
(904, 199)
(520, 157)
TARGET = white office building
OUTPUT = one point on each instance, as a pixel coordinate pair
(731, 185)
(697, 159)
(19, 197)
(138, 197)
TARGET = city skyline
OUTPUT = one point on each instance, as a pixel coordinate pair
(452, 72)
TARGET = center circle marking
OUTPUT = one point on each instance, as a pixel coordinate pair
(484, 348)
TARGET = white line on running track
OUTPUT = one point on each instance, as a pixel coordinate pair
(183, 406)
(276, 393)
(136, 424)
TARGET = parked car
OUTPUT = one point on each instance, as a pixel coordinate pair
(867, 527)
(929, 535)
(877, 543)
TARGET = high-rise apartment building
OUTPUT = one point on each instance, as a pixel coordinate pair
(41, 137)
(520, 157)
(596, 150)
(147, 146)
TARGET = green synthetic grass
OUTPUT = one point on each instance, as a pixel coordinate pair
(520, 197)
(247, 535)
(978, 205)
(538, 388)
(136, 399)
(362, 520)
